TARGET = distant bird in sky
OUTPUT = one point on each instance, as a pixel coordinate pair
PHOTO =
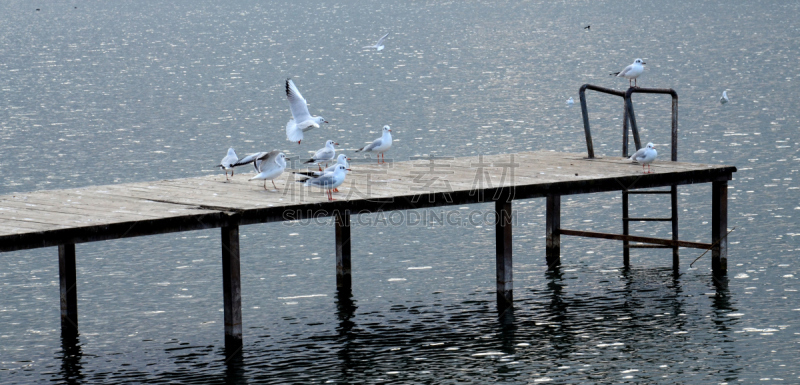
(631, 72)
(589, 27)
(570, 102)
(302, 120)
(380, 145)
(379, 45)
(645, 156)
(724, 99)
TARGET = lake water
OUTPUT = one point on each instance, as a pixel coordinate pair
(95, 92)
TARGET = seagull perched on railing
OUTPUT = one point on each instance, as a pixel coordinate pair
(631, 72)
(645, 156)
(302, 120)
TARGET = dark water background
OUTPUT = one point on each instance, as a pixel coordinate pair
(126, 91)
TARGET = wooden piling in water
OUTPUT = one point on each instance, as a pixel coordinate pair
(67, 274)
(341, 221)
(719, 227)
(553, 231)
(231, 289)
(505, 281)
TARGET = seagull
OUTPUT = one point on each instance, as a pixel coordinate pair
(379, 45)
(270, 166)
(228, 162)
(632, 71)
(328, 181)
(301, 120)
(325, 154)
(645, 156)
(588, 27)
(380, 145)
(570, 102)
(724, 99)
(341, 159)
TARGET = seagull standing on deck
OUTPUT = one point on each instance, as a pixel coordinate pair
(302, 120)
(328, 181)
(228, 162)
(645, 156)
(631, 72)
(379, 45)
(340, 160)
(380, 145)
(270, 166)
(324, 155)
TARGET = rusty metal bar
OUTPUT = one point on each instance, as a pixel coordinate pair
(674, 202)
(585, 111)
(626, 253)
(643, 246)
(635, 238)
(632, 115)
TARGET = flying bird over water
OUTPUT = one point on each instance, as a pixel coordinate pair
(631, 72)
(645, 156)
(379, 45)
(588, 27)
(302, 120)
(724, 99)
(380, 145)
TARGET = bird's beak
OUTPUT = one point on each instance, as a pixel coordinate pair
(642, 63)
(335, 144)
(347, 158)
(325, 121)
(390, 130)
(348, 169)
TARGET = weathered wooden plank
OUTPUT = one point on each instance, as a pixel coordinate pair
(636, 238)
(343, 265)
(67, 274)
(503, 259)
(553, 231)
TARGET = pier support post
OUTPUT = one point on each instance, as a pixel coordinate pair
(553, 231)
(341, 221)
(505, 282)
(676, 260)
(232, 289)
(719, 227)
(69, 291)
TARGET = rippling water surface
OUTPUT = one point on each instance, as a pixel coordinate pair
(113, 92)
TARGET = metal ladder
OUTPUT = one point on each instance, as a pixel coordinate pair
(629, 119)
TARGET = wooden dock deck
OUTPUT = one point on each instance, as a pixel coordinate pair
(64, 218)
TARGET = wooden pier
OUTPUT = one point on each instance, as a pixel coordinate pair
(64, 218)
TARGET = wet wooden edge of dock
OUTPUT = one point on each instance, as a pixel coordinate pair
(96, 213)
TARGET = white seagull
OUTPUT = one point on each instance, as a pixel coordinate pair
(380, 145)
(228, 162)
(340, 160)
(379, 45)
(631, 72)
(645, 156)
(570, 102)
(724, 99)
(270, 166)
(302, 120)
(328, 181)
(324, 155)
